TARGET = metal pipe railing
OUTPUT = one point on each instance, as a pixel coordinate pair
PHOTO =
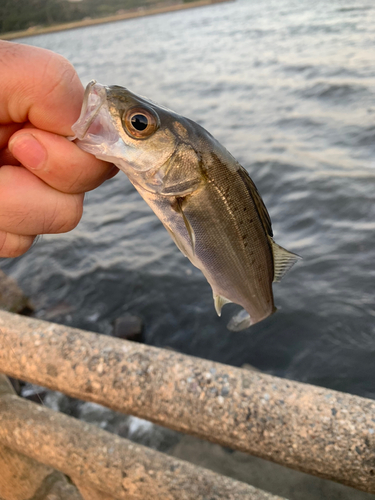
(105, 466)
(312, 429)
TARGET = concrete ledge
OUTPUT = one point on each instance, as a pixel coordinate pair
(22, 478)
(312, 429)
(105, 466)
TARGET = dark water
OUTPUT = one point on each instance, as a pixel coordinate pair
(289, 88)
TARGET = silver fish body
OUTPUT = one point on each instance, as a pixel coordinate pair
(202, 195)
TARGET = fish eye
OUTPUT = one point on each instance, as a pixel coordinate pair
(140, 123)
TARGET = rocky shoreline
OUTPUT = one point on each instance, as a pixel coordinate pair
(12, 298)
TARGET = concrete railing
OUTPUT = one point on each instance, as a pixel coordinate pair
(315, 430)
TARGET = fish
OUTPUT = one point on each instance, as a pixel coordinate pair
(204, 198)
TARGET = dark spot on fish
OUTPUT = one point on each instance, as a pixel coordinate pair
(251, 221)
(256, 200)
(244, 209)
(245, 244)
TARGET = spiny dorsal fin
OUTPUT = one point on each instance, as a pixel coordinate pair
(282, 260)
(219, 302)
(258, 202)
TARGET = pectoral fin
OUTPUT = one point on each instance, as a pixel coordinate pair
(219, 302)
(178, 207)
(179, 243)
(282, 260)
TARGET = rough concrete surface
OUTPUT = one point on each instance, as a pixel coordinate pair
(311, 429)
(263, 474)
(107, 463)
(22, 478)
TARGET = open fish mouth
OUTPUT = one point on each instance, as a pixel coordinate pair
(94, 130)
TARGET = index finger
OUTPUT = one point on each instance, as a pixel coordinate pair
(39, 86)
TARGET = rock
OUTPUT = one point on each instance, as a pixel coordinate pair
(128, 327)
(12, 298)
(33, 392)
(17, 385)
(251, 368)
(136, 429)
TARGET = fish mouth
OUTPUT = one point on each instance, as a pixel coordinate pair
(94, 130)
(94, 98)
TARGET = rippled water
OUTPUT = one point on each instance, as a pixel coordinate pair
(289, 88)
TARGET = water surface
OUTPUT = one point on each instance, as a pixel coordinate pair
(289, 88)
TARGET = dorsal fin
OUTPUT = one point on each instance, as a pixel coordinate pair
(282, 260)
(258, 202)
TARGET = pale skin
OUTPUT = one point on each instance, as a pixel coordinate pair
(43, 176)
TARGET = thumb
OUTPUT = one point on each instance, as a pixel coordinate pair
(39, 86)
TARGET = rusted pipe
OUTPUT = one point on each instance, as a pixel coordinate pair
(108, 463)
(312, 429)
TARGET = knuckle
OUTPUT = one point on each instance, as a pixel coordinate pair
(14, 245)
(65, 218)
(60, 73)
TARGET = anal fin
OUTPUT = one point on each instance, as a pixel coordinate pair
(219, 302)
(283, 260)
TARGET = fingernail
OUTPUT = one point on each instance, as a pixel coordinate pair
(26, 149)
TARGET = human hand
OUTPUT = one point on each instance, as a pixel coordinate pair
(43, 176)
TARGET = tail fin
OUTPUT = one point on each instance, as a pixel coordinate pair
(240, 321)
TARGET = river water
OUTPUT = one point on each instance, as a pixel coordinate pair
(289, 88)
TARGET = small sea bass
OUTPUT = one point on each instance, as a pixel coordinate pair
(202, 195)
